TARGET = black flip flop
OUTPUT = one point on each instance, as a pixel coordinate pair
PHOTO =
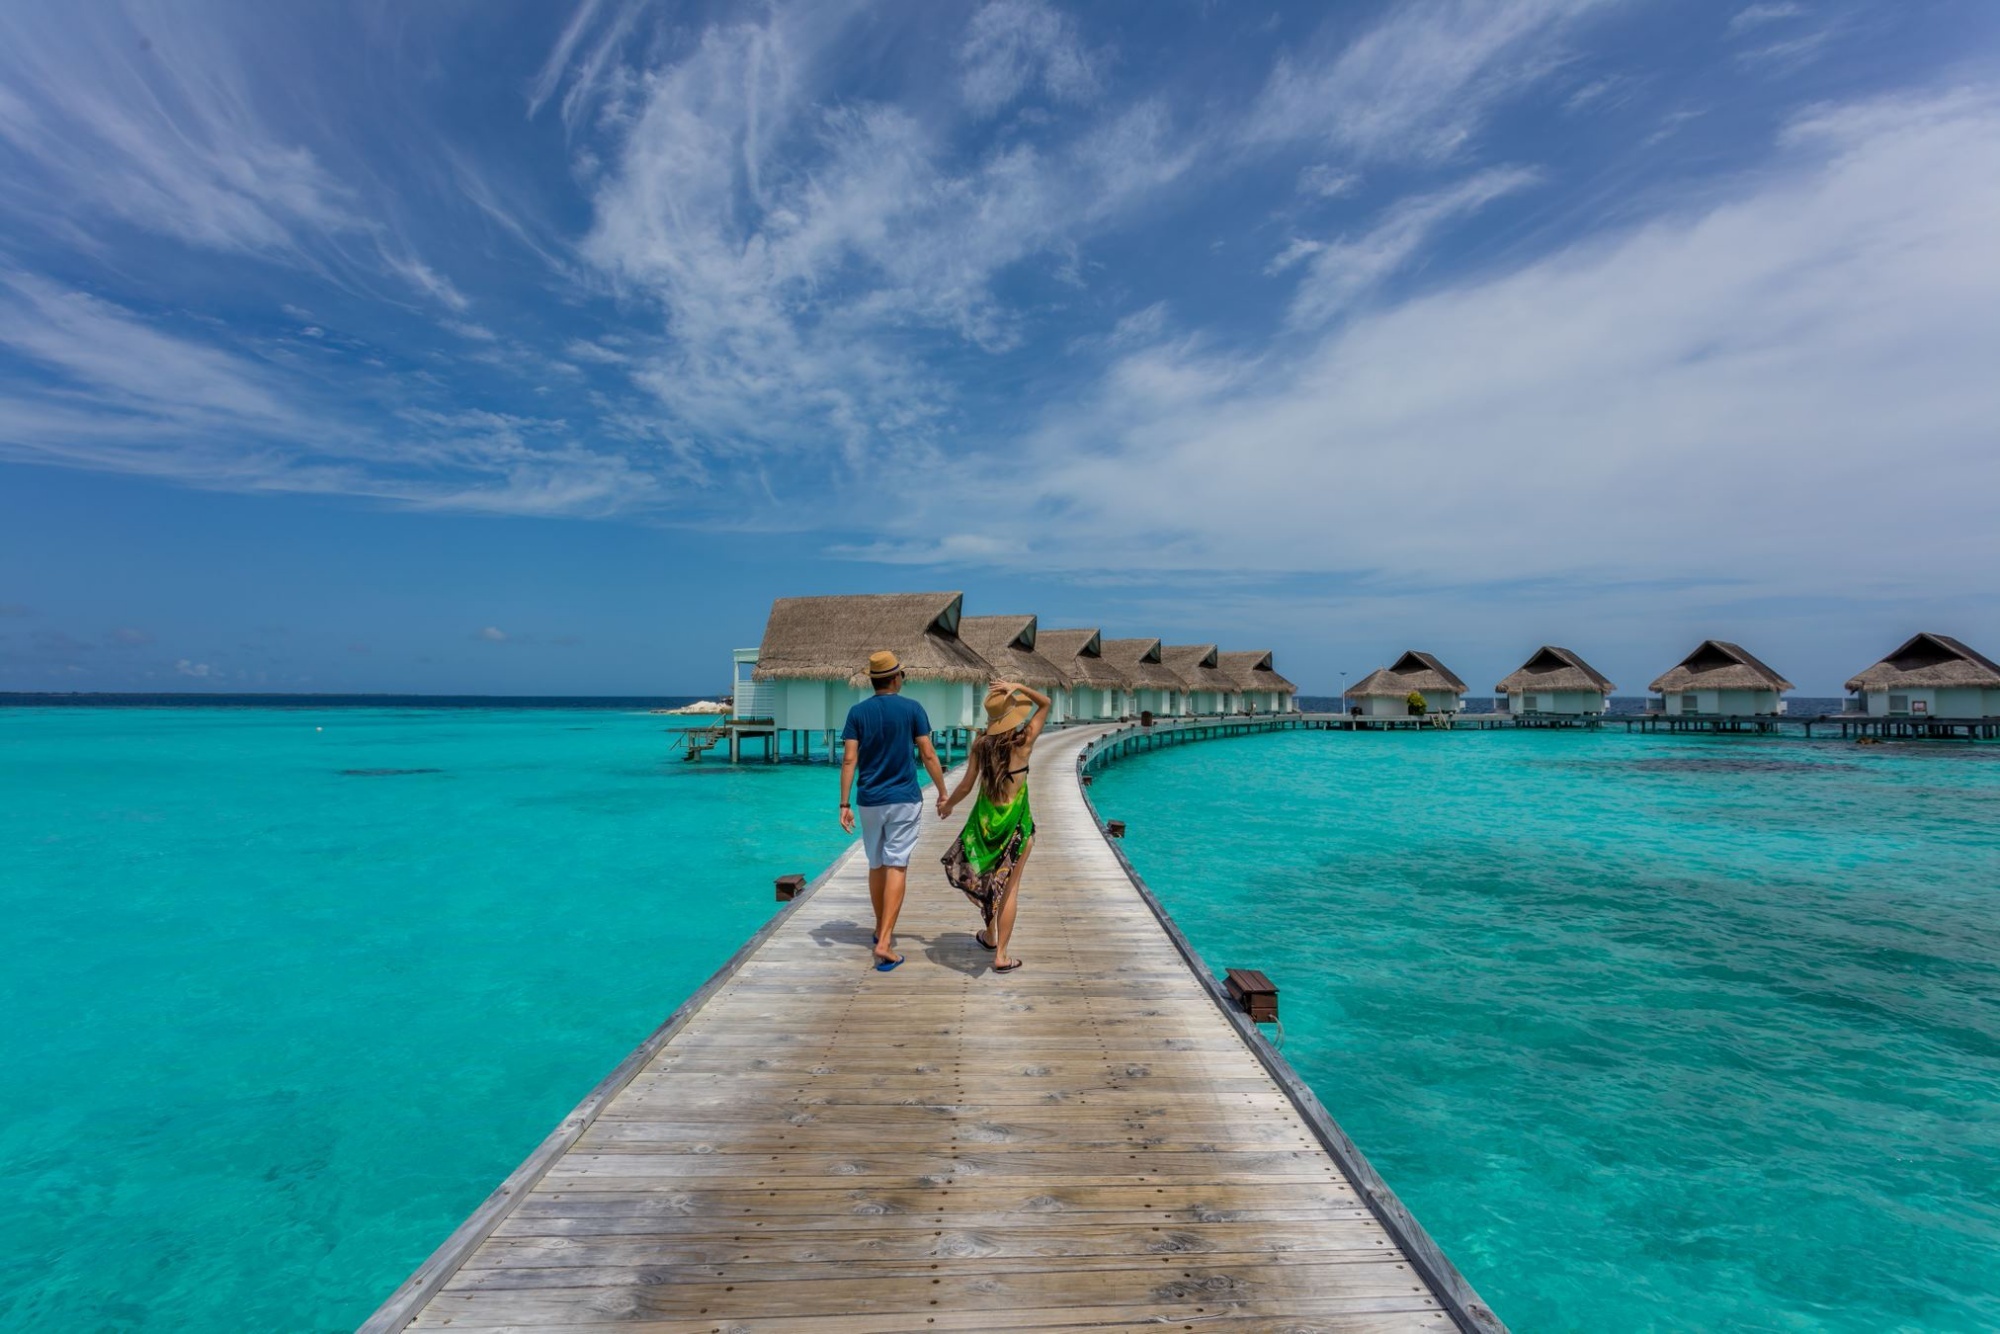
(1008, 967)
(980, 936)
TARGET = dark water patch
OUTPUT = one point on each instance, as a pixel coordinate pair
(1731, 764)
(385, 773)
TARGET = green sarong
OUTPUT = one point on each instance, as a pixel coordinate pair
(982, 858)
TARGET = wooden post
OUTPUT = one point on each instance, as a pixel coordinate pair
(790, 887)
(1115, 828)
(1254, 992)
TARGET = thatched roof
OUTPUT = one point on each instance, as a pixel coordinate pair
(1080, 653)
(1010, 644)
(1199, 666)
(1553, 668)
(1720, 666)
(1412, 671)
(1929, 660)
(1251, 669)
(1144, 664)
(829, 639)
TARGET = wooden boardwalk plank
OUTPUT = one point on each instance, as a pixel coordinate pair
(1088, 1143)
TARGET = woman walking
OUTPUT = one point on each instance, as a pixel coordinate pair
(988, 855)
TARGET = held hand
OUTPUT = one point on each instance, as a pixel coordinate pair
(846, 819)
(944, 807)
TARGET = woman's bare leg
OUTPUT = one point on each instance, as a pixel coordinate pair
(1002, 929)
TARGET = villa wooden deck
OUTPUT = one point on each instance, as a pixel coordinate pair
(1088, 1143)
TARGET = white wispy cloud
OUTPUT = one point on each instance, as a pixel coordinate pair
(1746, 397)
(1757, 16)
(106, 388)
(795, 244)
(1014, 46)
(107, 115)
(1418, 85)
(1340, 272)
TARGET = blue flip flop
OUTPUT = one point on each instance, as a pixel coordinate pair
(890, 965)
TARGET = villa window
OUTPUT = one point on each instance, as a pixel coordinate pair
(1530, 703)
(1899, 703)
(1690, 703)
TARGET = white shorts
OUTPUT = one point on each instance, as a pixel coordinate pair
(889, 833)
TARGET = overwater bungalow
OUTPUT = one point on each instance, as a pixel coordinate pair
(812, 663)
(1009, 644)
(1724, 680)
(1556, 681)
(1098, 688)
(1208, 689)
(1385, 692)
(1258, 685)
(1932, 676)
(1154, 687)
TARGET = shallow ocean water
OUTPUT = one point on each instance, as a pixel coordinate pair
(289, 991)
(1651, 1033)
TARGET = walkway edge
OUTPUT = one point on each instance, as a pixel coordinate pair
(410, 1298)
(1450, 1287)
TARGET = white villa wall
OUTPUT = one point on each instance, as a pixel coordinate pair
(1397, 706)
(1939, 702)
(1557, 701)
(1729, 703)
(820, 705)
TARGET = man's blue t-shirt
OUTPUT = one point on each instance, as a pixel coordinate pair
(887, 726)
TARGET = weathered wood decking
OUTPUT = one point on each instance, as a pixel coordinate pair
(1088, 1143)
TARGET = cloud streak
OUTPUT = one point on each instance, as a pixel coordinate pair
(1419, 85)
(1700, 399)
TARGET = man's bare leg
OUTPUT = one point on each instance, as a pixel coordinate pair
(877, 877)
(890, 903)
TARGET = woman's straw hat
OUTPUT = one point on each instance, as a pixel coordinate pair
(1006, 710)
(883, 664)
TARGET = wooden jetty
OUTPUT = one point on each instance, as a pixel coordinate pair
(1099, 1141)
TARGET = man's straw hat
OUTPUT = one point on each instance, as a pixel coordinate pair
(1006, 710)
(883, 664)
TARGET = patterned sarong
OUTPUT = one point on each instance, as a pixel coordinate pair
(983, 856)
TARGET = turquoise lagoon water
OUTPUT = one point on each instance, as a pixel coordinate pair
(1651, 1033)
(271, 1028)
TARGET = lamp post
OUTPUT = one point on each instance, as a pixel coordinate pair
(1343, 692)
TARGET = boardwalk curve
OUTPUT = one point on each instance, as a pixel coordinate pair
(808, 1145)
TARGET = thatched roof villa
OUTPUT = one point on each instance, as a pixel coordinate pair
(1099, 688)
(1722, 679)
(1258, 684)
(1199, 666)
(1932, 676)
(1154, 687)
(1009, 644)
(815, 652)
(1385, 692)
(1556, 680)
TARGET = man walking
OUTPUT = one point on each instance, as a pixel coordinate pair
(883, 737)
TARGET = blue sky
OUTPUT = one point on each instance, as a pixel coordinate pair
(521, 348)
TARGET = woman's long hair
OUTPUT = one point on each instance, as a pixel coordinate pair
(996, 761)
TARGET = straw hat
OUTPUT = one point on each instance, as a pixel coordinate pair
(882, 665)
(1006, 710)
